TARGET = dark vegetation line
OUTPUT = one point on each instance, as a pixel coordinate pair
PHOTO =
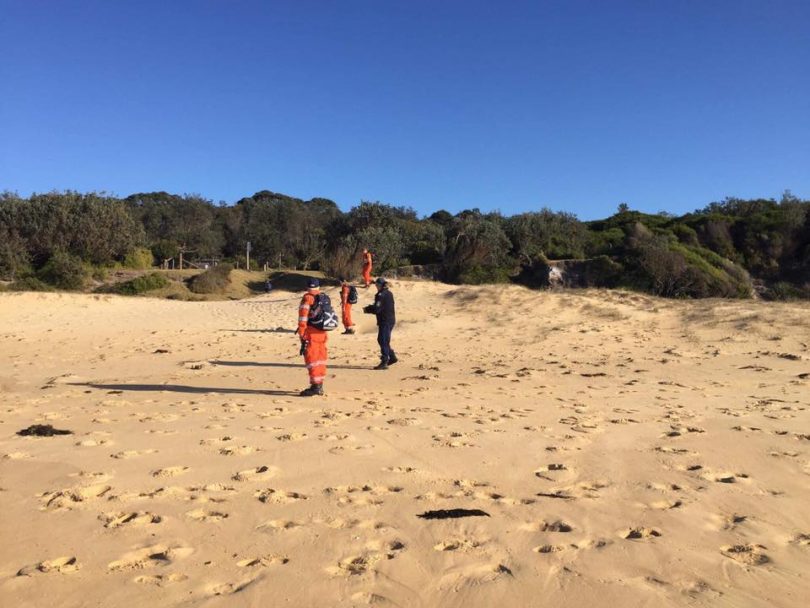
(733, 248)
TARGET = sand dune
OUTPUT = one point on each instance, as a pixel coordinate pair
(531, 448)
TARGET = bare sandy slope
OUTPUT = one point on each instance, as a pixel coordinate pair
(628, 451)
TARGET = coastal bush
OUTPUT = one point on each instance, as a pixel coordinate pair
(659, 253)
(64, 271)
(142, 284)
(214, 280)
(139, 258)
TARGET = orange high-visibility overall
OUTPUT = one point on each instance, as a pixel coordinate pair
(345, 306)
(367, 268)
(315, 356)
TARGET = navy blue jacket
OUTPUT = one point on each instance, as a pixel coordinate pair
(384, 308)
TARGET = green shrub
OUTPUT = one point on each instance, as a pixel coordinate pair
(142, 284)
(64, 271)
(480, 275)
(29, 284)
(99, 273)
(602, 272)
(139, 259)
(214, 280)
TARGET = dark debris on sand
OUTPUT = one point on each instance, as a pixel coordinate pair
(43, 430)
(453, 513)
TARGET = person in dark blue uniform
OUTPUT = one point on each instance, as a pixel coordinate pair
(385, 310)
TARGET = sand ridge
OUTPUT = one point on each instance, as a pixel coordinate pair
(622, 448)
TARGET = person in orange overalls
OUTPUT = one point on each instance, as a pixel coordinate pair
(313, 342)
(366, 267)
(346, 307)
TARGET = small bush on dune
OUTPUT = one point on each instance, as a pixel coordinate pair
(139, 285)
(213, 280)
(139, 259)
(64, 271)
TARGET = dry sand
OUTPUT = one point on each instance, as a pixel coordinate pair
(628, 451)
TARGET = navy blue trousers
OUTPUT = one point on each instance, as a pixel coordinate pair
(384, 340)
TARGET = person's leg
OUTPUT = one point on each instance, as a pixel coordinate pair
(384, 339)
(392, 357)
(347, 318)
(315, 358)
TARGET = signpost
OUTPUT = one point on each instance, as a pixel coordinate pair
(247, 255)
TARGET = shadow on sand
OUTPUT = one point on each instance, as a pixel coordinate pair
(272, 364)
(179, 388)
(277, 330)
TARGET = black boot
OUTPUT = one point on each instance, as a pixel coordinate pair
(392, 359)
(382, 365)
(312, 391)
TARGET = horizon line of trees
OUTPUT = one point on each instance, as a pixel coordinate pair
(724, 249)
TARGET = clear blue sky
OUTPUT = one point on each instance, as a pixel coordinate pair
(574, 105)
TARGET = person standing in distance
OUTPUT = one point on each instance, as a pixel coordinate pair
(346, 301)
(366, 267)
(385, 310)
(313, 341)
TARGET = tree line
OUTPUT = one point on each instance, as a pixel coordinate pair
(725, 249)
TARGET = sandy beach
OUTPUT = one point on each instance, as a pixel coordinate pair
(610, 448)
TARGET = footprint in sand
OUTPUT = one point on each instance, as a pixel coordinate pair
(133, 518)
(92, 443)
(292, 437)
(203, 515)
(229, 588)
(803, 540)
(60, 565)
(242, 450)
(217, 440)
(161, 580)
(256, 474)
(724, 477)
(279, 525)
(477, 575)
(457, 544)
(334, 437)
(264, 561)
(639, 533)
(453, 440)
(351, 524)
(66, 499)
(545, 549)
(279, 496)
(361, 564)
(169, 472)
(666, 504)
(748, 554)
(548, 526)
(132, 454)
(361, 495)
(150, 556)
(730, 522)
(399, 469)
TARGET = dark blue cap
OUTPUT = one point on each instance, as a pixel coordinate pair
(313, 283)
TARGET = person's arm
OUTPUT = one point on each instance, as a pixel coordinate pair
(388, 305)
(303, 314)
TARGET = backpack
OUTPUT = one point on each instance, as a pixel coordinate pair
(321, 314)
(352, 298)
